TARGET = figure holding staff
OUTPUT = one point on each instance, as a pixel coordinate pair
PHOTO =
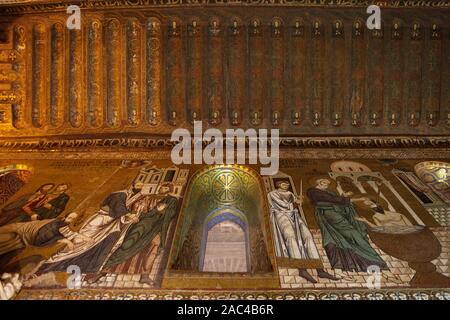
(292, 237)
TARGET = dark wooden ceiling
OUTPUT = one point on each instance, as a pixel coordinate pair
(306, 70)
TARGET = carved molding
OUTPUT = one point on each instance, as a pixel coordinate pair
(8, 97)
(75, 78)
(57, 76)
(194, 75)
(174, 73)
(297, 70)
(7, 76)
(19, 66)
(236, 71)
(432, 79)
(215, 95)
(16, 78)
(394, 94)
(414, 74)
(268, 74)
(23, 6)
(375, 77)
(288, 157)
(134, 83)
(358, 72)
(140, 142)
(39, 101)
(148, 294)
(317, 73)
(95, 103)
(256, 75)
(154, 48)
(337, 75)
(113, 70)
(277, 64)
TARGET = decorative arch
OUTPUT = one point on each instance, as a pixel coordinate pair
(212, 191)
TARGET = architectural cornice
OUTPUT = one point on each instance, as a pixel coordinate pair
(154, 142)
(20, 6)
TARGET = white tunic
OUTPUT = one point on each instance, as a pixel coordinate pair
(291, 234)
(97, 227)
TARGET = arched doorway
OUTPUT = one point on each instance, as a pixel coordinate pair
(225, 242)
(223, 228)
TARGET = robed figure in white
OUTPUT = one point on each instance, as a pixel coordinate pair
(292, 237)
(96, 238)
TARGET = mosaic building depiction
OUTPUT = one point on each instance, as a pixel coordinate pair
(94, 206)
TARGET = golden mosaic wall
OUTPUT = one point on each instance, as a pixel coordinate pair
(90, 182)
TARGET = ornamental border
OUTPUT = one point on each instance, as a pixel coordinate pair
(164, 143)
(161, 294)
(39, 5)
(288, 158)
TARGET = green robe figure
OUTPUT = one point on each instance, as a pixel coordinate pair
(138, 240)
(344, 238)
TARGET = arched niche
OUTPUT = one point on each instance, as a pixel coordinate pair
(218, 191)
